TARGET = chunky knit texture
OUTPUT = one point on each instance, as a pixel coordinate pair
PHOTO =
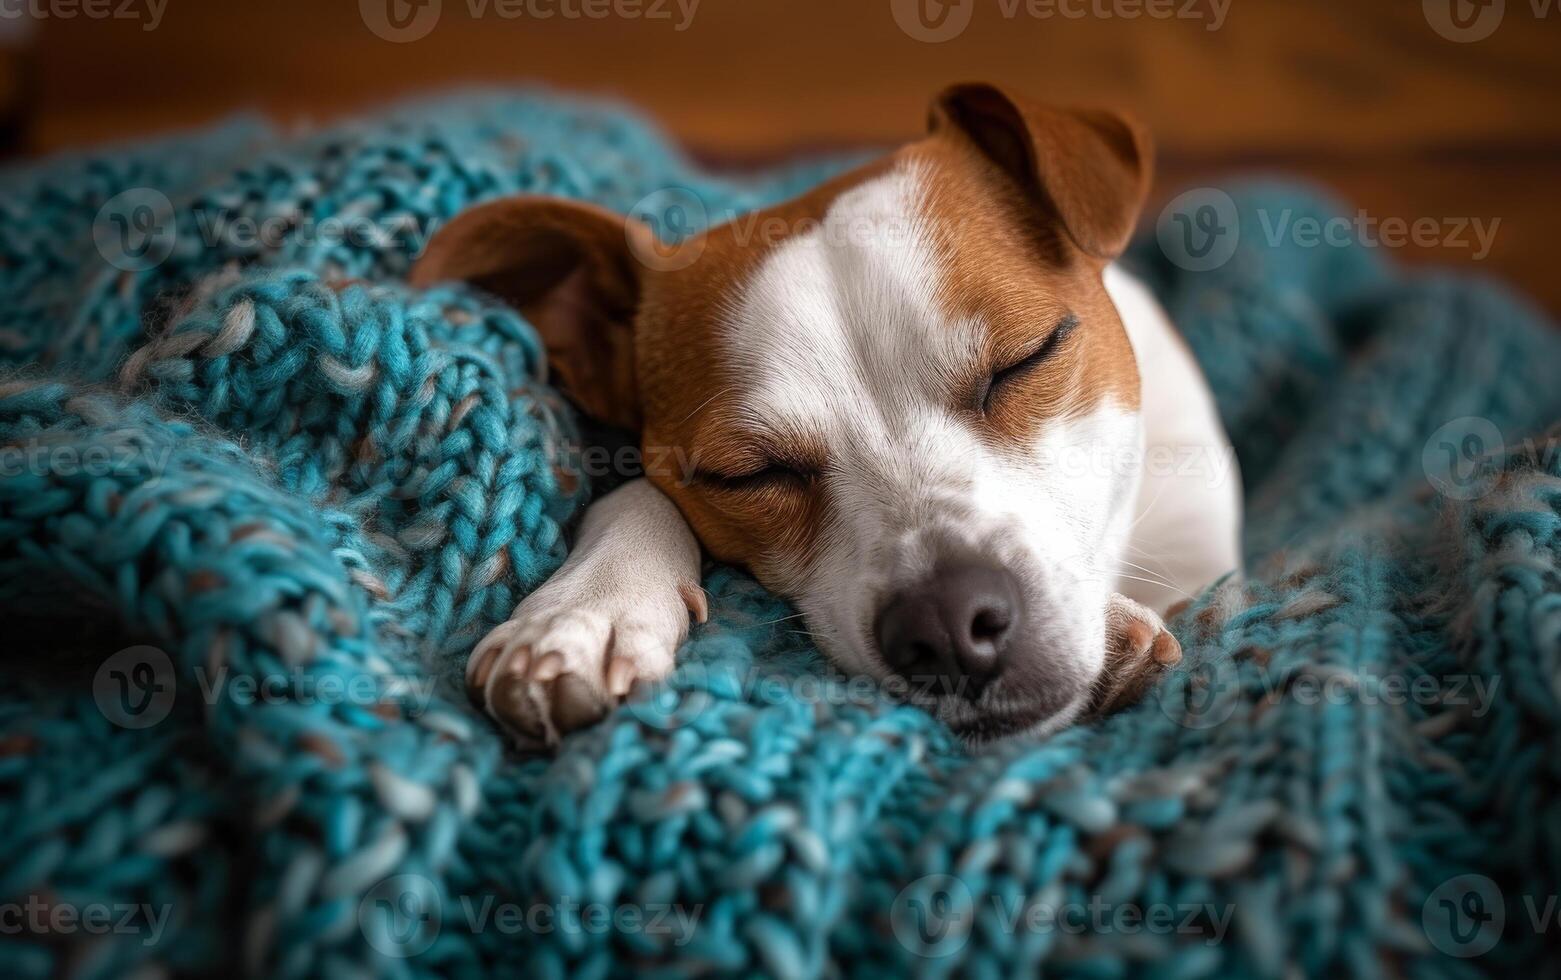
(269, 461)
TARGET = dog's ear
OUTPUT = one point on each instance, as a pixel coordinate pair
(1089, 168)
(570, 268)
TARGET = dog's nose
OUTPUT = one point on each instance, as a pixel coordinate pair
(954, 626)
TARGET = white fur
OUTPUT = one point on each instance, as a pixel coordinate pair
(1187, 525)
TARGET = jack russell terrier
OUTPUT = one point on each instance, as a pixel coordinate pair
(929, 411)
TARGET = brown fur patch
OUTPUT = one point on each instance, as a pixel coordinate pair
(1010, 268)
(681, 381)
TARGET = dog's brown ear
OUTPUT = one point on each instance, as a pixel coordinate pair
(571, 270)
(1090, 168)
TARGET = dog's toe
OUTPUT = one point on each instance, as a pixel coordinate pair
(576, 703)
(1139, 649)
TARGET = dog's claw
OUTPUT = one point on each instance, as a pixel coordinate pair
(547, 667)
(621, 675)
(696, 601)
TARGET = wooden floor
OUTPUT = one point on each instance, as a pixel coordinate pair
(1365, 97)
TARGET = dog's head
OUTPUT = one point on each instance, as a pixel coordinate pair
(907, 401)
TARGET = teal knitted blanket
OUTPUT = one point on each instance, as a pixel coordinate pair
(258, 498)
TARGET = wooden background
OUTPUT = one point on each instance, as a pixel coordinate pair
(1365, 97)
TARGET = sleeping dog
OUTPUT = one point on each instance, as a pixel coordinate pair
(924, 406)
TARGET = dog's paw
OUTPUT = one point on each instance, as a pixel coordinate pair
(573, 649)
(1139, 650)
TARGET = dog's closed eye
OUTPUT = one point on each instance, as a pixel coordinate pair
(1004, 377)
(768, 476)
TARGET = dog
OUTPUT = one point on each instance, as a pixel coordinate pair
(924, 406)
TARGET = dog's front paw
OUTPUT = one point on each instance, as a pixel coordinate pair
(573, 649)
(1139, 650)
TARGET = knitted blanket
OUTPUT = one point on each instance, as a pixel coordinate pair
(258, 498)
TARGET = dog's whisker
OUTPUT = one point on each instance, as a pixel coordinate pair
(1146, 556)
(781, 620)
(1147, 571)
(707, 401)
(1166, 585)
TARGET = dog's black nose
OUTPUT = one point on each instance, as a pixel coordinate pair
(954, 627)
